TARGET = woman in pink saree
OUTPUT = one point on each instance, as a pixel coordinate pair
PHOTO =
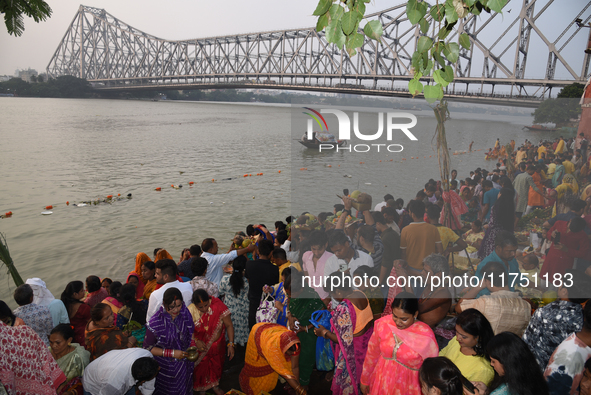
(397, 349)
(351, 329)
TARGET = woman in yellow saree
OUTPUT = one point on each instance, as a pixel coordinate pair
(272, 351)
(567, 192)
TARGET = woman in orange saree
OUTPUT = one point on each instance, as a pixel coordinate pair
(212, 320)
(272, 351)
(140, 259)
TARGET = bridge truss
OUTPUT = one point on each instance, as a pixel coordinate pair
(115, 56)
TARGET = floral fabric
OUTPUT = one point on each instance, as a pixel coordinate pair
(200, 282)
(38, 318)
(238, 306)
(549, 326)
(26, 365)
(100, 341)
(567, 365)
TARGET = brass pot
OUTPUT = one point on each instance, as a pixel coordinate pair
(193, 354)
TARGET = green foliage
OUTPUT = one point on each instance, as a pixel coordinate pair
(557, 111)
(575, 90)
(64, 86)
(340, 20)
(14, 10)
(434, 55)
(434, 52)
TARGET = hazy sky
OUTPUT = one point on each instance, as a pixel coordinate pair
(187, 19)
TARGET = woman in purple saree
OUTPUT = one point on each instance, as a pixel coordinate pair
(168, 335)
(351, 329)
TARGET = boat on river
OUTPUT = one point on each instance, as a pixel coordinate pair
(540, 128)
(321, 138)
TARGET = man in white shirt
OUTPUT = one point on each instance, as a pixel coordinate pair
(118, 372)
(345, 258)
(379, 206)
(166, 271)
(215, 269)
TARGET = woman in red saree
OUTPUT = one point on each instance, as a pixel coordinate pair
(136, 280)
(78, 312)
(397, 349)
(212, 320)
(573, 244)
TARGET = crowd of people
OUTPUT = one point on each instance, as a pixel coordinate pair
(282, 296)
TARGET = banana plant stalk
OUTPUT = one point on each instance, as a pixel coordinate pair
(7, 260)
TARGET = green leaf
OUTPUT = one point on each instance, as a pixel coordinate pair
(350, 4)
(448, 73)
(322, 22)
(425, 43)
(416, 58)
(424, 25)
(437, 77)
(496, 5)
(476, 9)
(373, 30)
(355, 40)
(465, 40)
(427, 69)
(433, 93)
(366, 1)
(439, 59)
(323, 6)
(450, 13)
(438, 12)
(336, 12)
(443, 33)
(415, 11)
(469, 3)
(334, 33)
(452, 52)
(415, 87)
(414, 16)
(360, 8)
(349, 21)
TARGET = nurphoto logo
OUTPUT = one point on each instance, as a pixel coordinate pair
(327, 141)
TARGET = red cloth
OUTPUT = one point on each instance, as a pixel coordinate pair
(458, 207)
(139, 291)
(96, 297)
(557, 261)
(208, 368)
(26, 365)
(79, 322)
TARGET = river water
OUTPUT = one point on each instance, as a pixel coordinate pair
(54, 151)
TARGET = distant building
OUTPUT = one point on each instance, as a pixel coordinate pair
(26, 75)
(5, 78)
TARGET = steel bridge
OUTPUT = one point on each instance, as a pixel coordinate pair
(115, 56)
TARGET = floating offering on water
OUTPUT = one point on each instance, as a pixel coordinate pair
(48, 207)
(46, 212)
(67, 203)
(109, 196)
(191, 182)
(279, 171)
(348, 176)
(80, 205)
(8, 214)
(158, 189)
